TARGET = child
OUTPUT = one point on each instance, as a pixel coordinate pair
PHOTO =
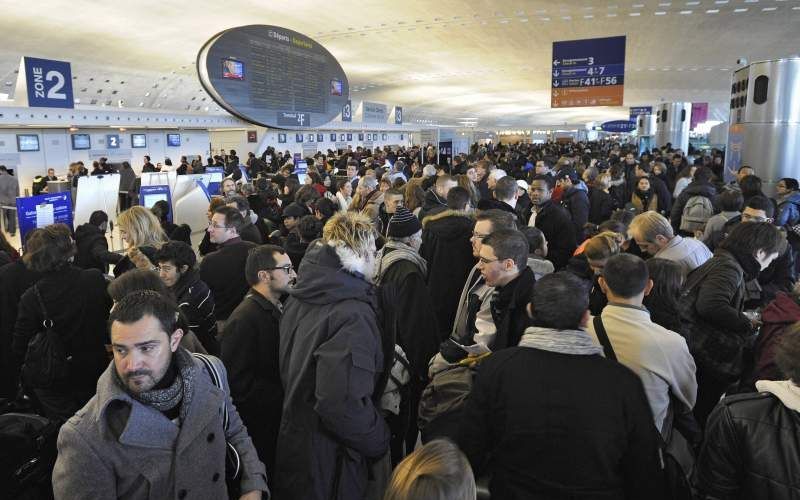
(537, 251)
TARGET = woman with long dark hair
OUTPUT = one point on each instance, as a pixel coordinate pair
(662, 301)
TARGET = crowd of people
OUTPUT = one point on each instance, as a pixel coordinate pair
(540, 320)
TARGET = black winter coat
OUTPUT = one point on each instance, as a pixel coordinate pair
(705, 189)
(77, 302)
(250, 232)
(548, 426)
(554, 221)
(432, 204)
(751, 450)
(601, 205)
(509, 310)
(250, 353)
(576, 201)
(447, 248)
(223, 272)
(15, 279)
(196, 301)
(330, 360)
(93, 249)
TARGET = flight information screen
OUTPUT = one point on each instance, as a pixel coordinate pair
(273, 76)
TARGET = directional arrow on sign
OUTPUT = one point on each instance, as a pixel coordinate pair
(555, 83)
(556, 73)
(556, 62)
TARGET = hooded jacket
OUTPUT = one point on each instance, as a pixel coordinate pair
(576, 201)
(788, 210)
(554, 221)
(330, 360)
(705, 189)
(432, 203)
(92, 247)
(447, 248)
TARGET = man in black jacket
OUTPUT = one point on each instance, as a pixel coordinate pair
(552, 406)
(436, 196)
(700, 186)
(249, 231)
(575, 199)
(223, 269)
(553, 220)
(176, 267)
(403, 270)
(250, 348)
(90, 239)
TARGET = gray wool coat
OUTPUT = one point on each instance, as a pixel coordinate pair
(118, 448)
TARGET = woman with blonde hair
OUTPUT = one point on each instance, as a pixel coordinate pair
(589, 264)
(141, 231)
(436, 471)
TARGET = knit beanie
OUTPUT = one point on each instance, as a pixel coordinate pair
(403, 224)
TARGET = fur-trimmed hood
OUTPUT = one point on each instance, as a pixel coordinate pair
(447, 213)
(331, 273)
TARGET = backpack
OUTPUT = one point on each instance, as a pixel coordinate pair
(46, 360)
(696, 212)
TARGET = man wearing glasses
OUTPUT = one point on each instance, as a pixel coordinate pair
(250, 348)
(223, 269)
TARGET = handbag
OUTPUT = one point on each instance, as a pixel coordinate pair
(46, 360)
(233, 464)
(677, 485)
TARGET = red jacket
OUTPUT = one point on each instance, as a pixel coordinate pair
(776, 316)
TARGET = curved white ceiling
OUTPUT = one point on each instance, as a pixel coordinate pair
(446, 61)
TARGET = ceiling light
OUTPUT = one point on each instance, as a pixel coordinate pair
(611, 15)
(544, 18)
(525, 20)
(712, 11)
(736, 11)
(660, 13)
(721, 2)
(769, 9)
(566, 18)
(665, 4)
(693, 3)
(635, 14)
(589, 16)
(637, 5)
(685, 12)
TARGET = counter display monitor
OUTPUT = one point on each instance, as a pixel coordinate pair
(173, 140)
(273, 77)
(138, 140)
(27, 142)
(81, 141)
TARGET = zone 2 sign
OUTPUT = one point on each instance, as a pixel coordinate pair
(49, 83)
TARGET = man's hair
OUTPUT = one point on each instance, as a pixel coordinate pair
(369, 182)
(98, 217)
(739, 170)
(626, 275)
(326, 207)
(444, 179)
(559, 301)
(436, 471)
(547, 179)
(457, 198)
(505, 189)
(136, 280)
(750, 185)
(509, 244)
(233, 218)
(177, 252)
(761, 203)
(791, 184)
(393, 192)
(730, 201)
(644, 167)
(307, 228)
(258, 259)
(749, 238)
(535, 238)
(500, 219)
(241, 202)
(136, 305)
(650, 224)
(787, 353)
(703, 174)
(49, 248)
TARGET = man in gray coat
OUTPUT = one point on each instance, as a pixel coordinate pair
(9, 190)
(154, 430)
(330, 360)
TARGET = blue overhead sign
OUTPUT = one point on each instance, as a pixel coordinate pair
(640, 110)
(588, 72)
(620, 126)
(398, 115)
(39, 211)
(347, 112)
(49, 83)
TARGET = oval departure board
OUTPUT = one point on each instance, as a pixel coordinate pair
(273, 76)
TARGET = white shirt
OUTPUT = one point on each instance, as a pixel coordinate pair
(659, 357)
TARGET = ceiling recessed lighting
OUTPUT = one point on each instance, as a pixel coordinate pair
(736, 11)
(637, 5)
(544, 18)
(721, 2)
(566, 18)
(712, 11)
(524, 20)
(685, 12)
(660, 13)
(768, 9)
(750, 1)
(665, 4)
(635, 14)
(693, 3)
(795, 8)
(588, 16)
(611, 15)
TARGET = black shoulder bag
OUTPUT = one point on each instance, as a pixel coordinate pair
(677, 485)
(46, 360)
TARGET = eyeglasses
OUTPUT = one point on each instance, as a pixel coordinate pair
(479, 236)
(754, 218)
(166, 269)
(288, 268)
(211, 224)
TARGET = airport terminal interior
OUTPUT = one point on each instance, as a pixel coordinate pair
(453, 250)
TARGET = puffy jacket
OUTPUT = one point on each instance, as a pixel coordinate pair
(705, 189)
(93, 249)
(576, 201)
(751, 450)
(789, 210)
(601, 205)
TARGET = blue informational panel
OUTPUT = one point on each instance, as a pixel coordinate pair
(216, 179)
(588, 72)
(347, 111)
(640, 110)
(398, 115)
(112, 141)
(149, 195)
(620, 126)
(49, 83)
(42, 210)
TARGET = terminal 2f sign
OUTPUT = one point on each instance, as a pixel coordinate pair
(43, 83)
